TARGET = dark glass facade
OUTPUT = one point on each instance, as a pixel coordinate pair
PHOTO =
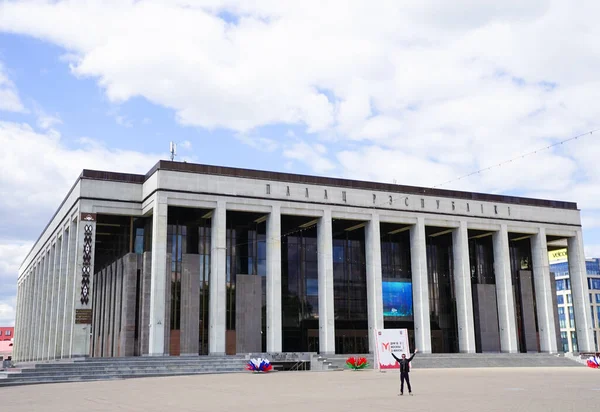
(442, 299)
(350, 291)
(299, 287)
(246, 255)
(188, 233)
(520, 260)
(483, 281)
(396, 274)
(481, 258)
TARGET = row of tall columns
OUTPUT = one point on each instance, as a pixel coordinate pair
(48, 297)
(462, 285)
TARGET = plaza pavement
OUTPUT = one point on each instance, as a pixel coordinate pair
(444, 390)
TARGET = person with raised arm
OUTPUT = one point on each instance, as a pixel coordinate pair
(404, 371)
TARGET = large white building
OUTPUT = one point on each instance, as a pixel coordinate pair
(195, 259)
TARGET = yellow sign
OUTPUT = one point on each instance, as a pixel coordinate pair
(559, 255)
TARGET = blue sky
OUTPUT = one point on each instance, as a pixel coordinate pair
(419, 94)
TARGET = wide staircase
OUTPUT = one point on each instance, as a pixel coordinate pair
(464, 360)
(94, 369)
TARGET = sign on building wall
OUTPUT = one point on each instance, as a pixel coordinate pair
(390, 341)
(558, 256)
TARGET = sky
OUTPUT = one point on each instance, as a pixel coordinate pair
(413, 92)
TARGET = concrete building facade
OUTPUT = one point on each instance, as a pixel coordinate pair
(195, 259)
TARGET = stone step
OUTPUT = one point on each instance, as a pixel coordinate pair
(459, 360)
(131, 364)
(34, 372)
(87, 378)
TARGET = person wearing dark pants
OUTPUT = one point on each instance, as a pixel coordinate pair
(404, 371)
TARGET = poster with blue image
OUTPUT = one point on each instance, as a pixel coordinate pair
(397, 299)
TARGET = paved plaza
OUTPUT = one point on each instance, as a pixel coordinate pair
(504, 389)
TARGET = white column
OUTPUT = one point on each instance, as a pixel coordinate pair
(36, 307)
(462, 288)
(580, 293)
(374, 279)
(18, 322)
(543, 292)
(84, 272)
(158, 277)
(51, 350)
(274, 329)
(71, 277)
(418, 257)
(325, 274)
(48, 302)
(60, 295)
(39, 334)
(28, 303)
(218, 281)
(504, 292)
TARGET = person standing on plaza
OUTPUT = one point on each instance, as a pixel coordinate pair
(404, 371)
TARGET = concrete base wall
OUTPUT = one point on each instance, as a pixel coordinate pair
(528, 311)
(485, 307)
(248, 322)
(190, 305)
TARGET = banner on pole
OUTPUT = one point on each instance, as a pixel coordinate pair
(391, 341)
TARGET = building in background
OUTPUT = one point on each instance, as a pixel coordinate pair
(559, 266)
(6, 333)
(6, 342)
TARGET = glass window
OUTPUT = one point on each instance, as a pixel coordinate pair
(594, 283)
(560, 299)
(564, 341)
(0, 333)
(560, 284)
(571, 317)
(7, 333)
(569, 298)
(312, 287)
(561, 317)
(574, 341)
(592, 308)
(597, 297)
(598, 315)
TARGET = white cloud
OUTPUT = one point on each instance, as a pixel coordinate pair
(12, 253)
(9, 96)
(315, 155)
(25, 189)
(7, 312)
(123, 121)
(186, 144)
(259, 143)
(46, 121)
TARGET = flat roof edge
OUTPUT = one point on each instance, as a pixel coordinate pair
(319, 180)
